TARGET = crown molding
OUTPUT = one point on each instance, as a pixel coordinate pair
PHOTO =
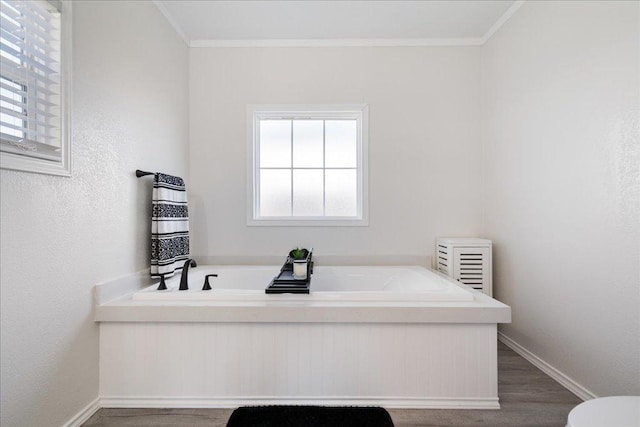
(171, 21)
(501, 21)
(469, 41)
(337, 42)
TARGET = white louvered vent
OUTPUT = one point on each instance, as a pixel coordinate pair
(467, 260)
(442, 257)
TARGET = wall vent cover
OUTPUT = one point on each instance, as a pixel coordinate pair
(467, 260)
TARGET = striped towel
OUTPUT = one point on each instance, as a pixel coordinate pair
(169, 225)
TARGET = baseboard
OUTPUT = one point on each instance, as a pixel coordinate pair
(545, 367)
(234, 402)
(84, 414)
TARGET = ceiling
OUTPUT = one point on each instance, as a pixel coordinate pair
(203, 23)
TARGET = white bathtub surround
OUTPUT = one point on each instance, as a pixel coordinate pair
(252, 348)
(180, 364)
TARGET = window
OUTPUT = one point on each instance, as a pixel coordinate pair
(35, 54)
(307, 165)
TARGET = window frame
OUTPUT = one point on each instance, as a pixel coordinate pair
(62, 166)
(255, 113)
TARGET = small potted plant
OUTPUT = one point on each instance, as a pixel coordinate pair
(299, 257)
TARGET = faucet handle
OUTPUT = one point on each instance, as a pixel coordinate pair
(163, 284)
(207, 286)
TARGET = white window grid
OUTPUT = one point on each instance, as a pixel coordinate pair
(257, 113)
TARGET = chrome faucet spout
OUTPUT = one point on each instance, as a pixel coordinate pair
(184, 282)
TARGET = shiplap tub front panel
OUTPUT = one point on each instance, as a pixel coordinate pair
(231, 364)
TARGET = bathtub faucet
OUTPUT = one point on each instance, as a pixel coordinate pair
(184, 282)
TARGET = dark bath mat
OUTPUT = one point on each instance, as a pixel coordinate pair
(309, 416)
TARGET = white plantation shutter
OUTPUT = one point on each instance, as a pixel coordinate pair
(30, 80)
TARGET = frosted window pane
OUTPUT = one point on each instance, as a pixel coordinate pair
(307, 143)
(275, 143)
(341, 192)
(275, 192)
(341, 143)
(307, 192)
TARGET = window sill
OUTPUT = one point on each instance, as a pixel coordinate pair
(279, 222)
(35, 165)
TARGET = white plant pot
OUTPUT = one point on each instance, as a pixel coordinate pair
(300, 270)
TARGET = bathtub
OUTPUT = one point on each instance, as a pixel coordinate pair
(402, 337)
(343, 283)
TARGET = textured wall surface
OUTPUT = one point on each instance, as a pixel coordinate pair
(60, 236)
(424, 144)
(561, 105)
(556, 88)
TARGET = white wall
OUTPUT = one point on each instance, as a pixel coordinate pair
(561, 105)
(560, 101)
(424, 150)
(60, 236)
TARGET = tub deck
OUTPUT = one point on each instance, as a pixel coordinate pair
(354, 284)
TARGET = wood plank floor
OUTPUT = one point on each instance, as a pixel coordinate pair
(528, 398)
